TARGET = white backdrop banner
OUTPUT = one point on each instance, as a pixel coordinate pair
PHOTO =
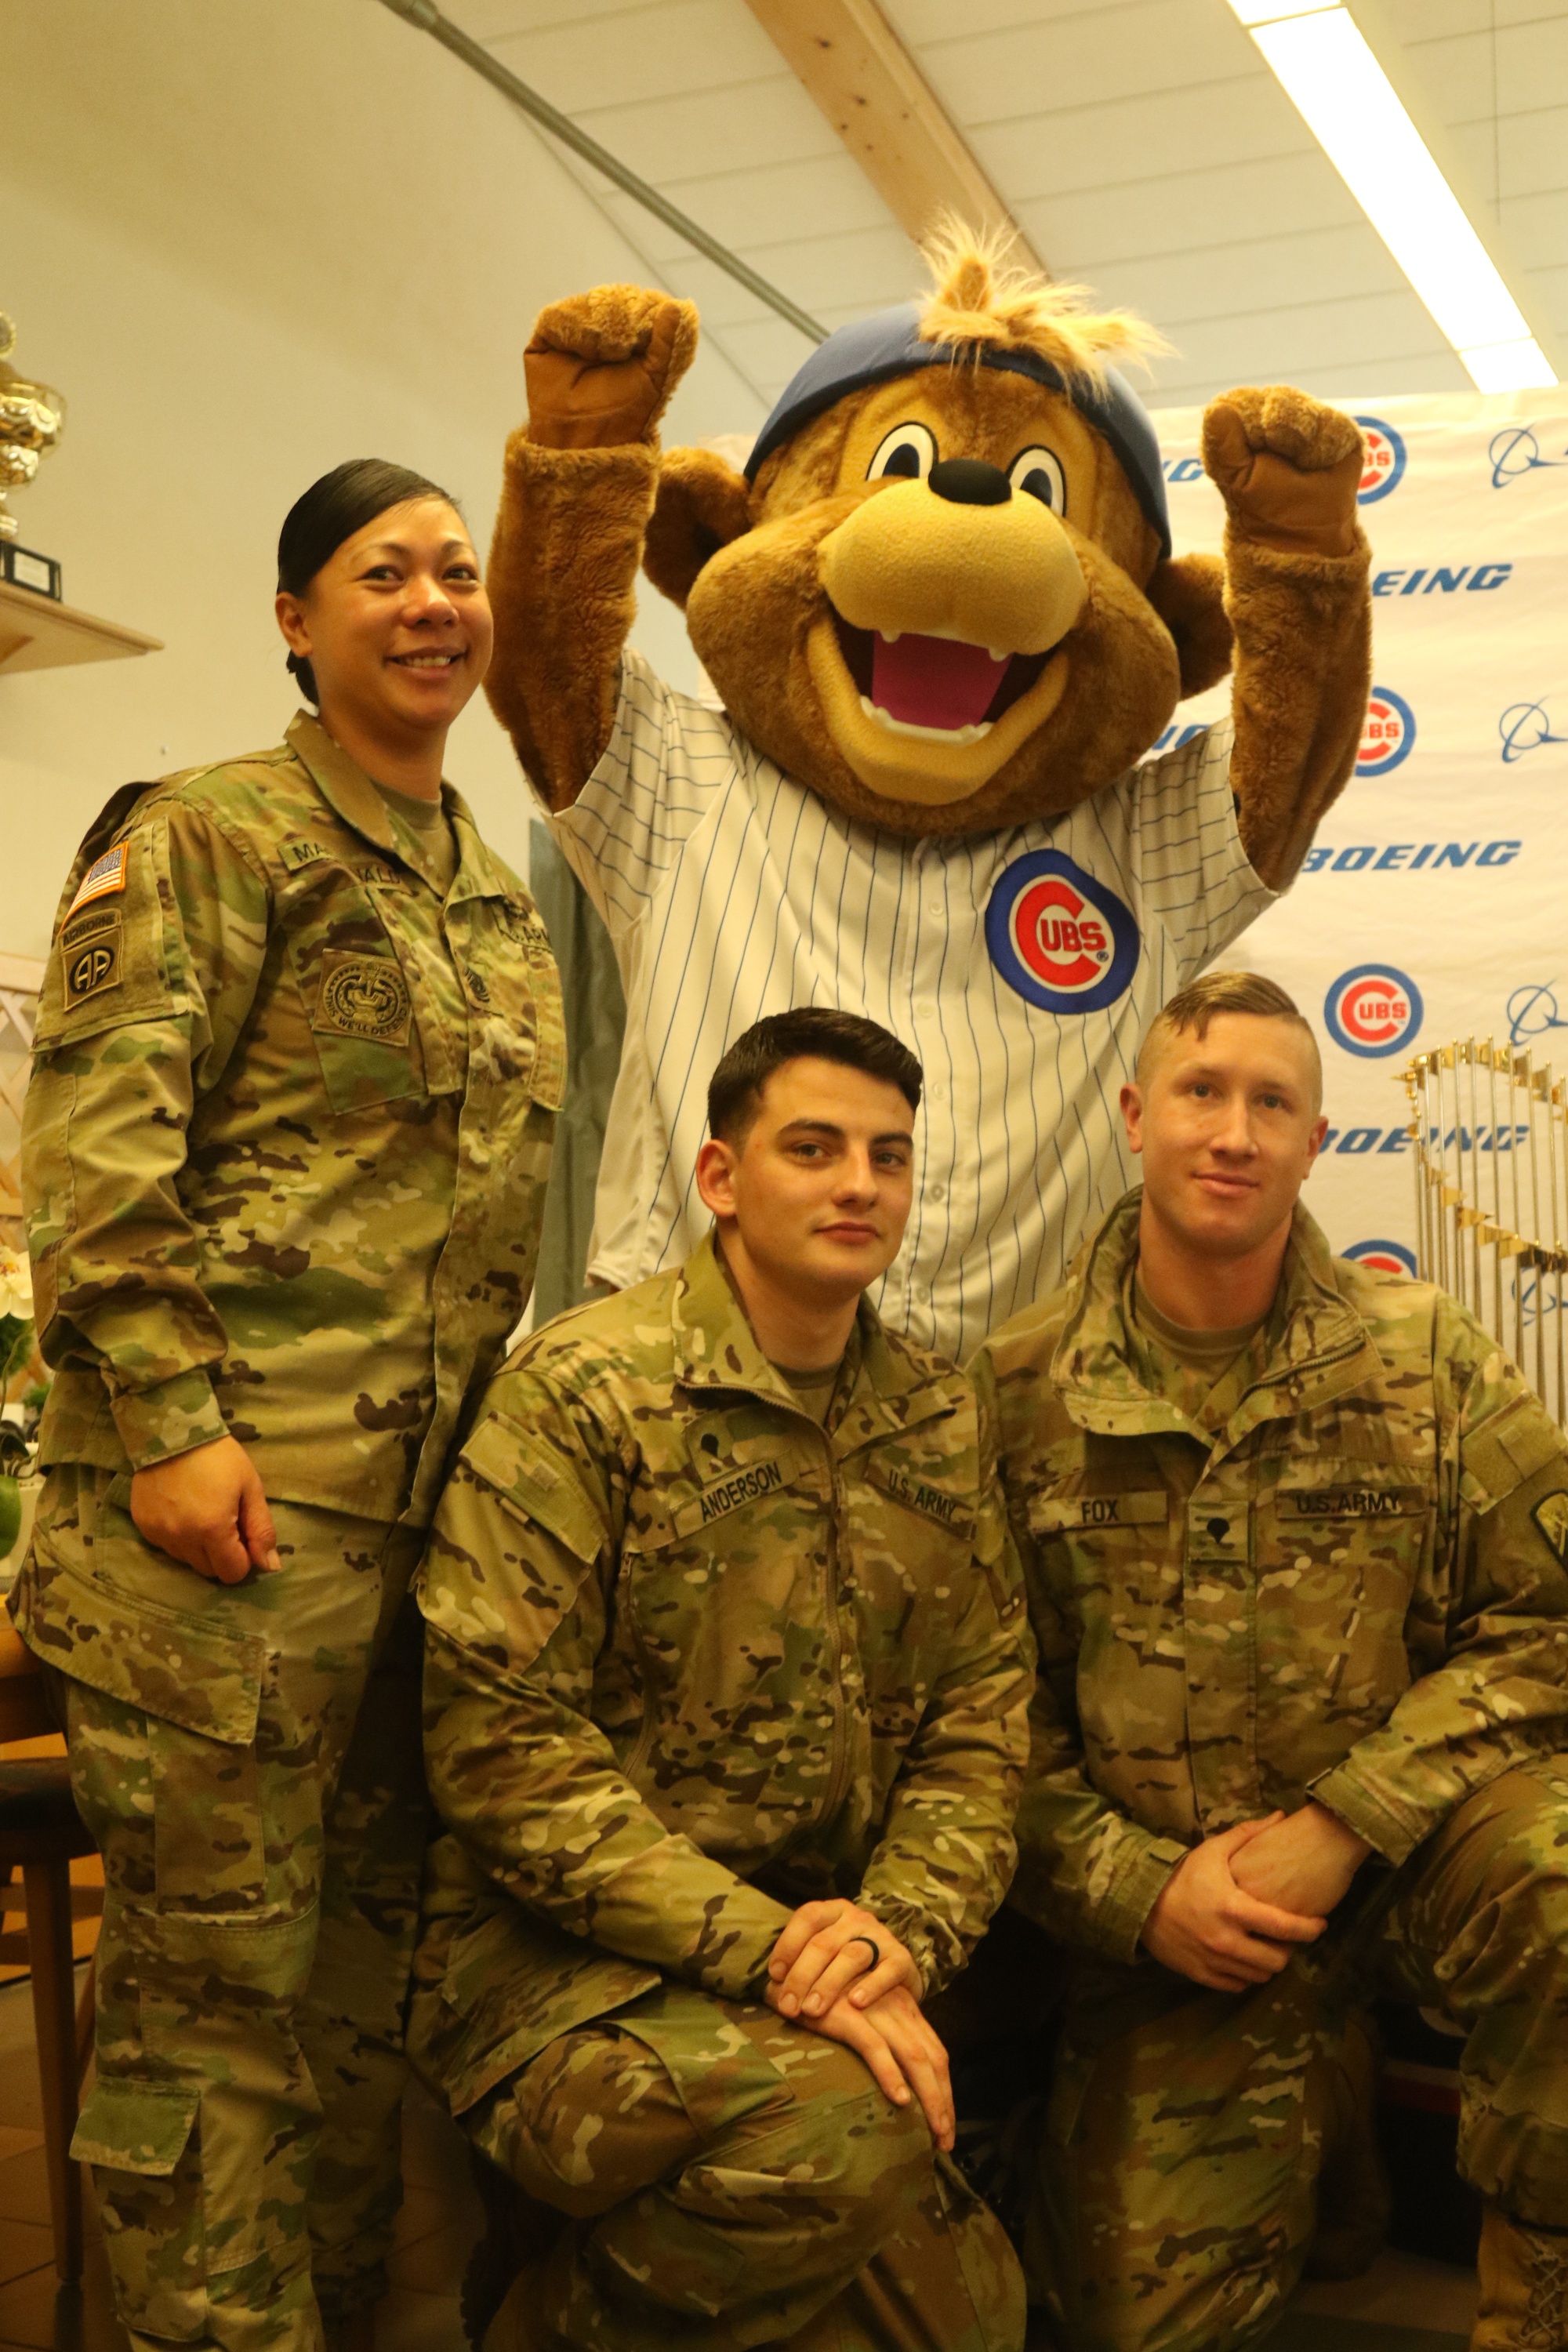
(1434, 903)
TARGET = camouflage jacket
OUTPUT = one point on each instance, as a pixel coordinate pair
(288, 1130)
(692, 1660)
(1345, 1579)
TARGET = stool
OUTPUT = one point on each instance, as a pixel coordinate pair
(41, 1833)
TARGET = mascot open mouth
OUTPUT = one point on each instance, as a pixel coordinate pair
(938, 689)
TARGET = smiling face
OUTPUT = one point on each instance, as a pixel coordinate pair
(948, 572)
(395, 624)
(1228, 1126)
(815, 1194)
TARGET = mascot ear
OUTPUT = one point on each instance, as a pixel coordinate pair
(701, 508)
(1188, 593)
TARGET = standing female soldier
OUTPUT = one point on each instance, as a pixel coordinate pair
(298, 1057)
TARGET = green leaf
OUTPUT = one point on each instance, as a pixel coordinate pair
(10, 1514)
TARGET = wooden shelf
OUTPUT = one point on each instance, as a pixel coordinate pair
(37, 634)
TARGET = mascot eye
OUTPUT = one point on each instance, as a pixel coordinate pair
(1039, 471)
(908, 450)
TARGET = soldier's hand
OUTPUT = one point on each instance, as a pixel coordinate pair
(906, 2057)
(826, 1949)
(1207, 1928)
(1304, 1864)
(207, 1509)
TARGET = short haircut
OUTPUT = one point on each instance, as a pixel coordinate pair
(331, 510)
(1191, 1009)
(735, 1090)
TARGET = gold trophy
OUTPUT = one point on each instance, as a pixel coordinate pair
(32, 417)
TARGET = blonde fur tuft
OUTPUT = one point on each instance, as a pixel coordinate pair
(982, 299)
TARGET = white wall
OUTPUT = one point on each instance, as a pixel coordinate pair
(248, 238)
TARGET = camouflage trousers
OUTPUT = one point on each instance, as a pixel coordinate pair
(731, 2179)
(1173, 2194)
(248, 1759)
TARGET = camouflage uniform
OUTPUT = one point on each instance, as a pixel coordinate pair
(285, 1149)
(1340, 1576)
(694, 1660)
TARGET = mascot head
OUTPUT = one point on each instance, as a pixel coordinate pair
(941, 594)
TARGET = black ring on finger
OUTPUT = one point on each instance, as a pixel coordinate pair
(874, 1947)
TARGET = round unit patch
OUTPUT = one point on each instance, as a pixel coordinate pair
(1383, 1257)
(1372, 1009)
(1387, 735)
(1384, 463)
(1059, 937)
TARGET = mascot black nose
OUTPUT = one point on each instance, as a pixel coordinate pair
(970, 482)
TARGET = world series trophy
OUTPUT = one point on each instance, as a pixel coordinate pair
(1492, 1235)
(32, 417)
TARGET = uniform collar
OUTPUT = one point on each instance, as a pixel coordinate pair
(715, 1347)
(1313, 1347)
(352, 796)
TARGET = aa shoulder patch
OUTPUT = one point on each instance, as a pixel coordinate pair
(90, 951)
(105, 875)
(1551, 1515)
(363, 996)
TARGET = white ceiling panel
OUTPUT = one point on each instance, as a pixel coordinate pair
(1141, 144)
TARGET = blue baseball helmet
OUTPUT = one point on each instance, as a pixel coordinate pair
(889, 344)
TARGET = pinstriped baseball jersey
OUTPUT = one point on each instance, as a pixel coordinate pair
(1022, 967)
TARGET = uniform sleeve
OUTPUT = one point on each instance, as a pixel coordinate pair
(1197, 882)
(1488, 1636)
(144, 996)
(946, 1855)
(667, 760)
(513, 1592)
(1087, 1873)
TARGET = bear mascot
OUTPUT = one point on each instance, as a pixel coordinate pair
(942, 615)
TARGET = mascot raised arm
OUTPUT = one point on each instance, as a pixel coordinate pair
(942, 613)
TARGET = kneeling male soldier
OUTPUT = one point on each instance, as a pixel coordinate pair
(727, 1690)
(1294, 1533)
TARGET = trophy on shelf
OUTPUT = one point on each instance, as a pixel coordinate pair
(1489, 1125)
(32, 417)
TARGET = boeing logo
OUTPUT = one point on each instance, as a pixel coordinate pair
(1525, 726)
(1439, 579)
(1516, 452)
(1408, 857)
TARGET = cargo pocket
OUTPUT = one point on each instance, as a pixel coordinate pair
(196, 1688)
(137, 2137)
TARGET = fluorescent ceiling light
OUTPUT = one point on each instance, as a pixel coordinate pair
(1354, 110)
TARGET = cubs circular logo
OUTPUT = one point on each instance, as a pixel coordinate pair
(1383, 1257)
(1387, 735)
(1372, 1009)
(1059, 937)
(1384, 462)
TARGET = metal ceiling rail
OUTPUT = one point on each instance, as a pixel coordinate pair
(429, 19)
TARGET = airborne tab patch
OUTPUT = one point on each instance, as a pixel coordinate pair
(1551, 1515)
(92, 960)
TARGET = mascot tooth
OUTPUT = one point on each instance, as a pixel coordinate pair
(941, 611)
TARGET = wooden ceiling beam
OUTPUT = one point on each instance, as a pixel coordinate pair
(850, 62)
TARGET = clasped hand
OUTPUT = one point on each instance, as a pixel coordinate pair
(1233, 1910)
(207, 1508)
(823, 1975)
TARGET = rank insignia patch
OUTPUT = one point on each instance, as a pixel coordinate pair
(363, 996)
(1551, 1515)
(93, 963)
(106, 873)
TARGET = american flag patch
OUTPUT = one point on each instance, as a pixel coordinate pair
(107, 874)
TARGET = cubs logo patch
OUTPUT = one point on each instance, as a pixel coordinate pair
(1551, 1515)
(1372, 1009)
(93, 963)
(1387, 735)
(1059, 937)
(1383, 460)
(363, 996)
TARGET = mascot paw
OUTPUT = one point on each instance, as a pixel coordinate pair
(1287, 468)
(601, 366)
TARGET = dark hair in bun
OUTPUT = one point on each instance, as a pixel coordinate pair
(331, 510)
